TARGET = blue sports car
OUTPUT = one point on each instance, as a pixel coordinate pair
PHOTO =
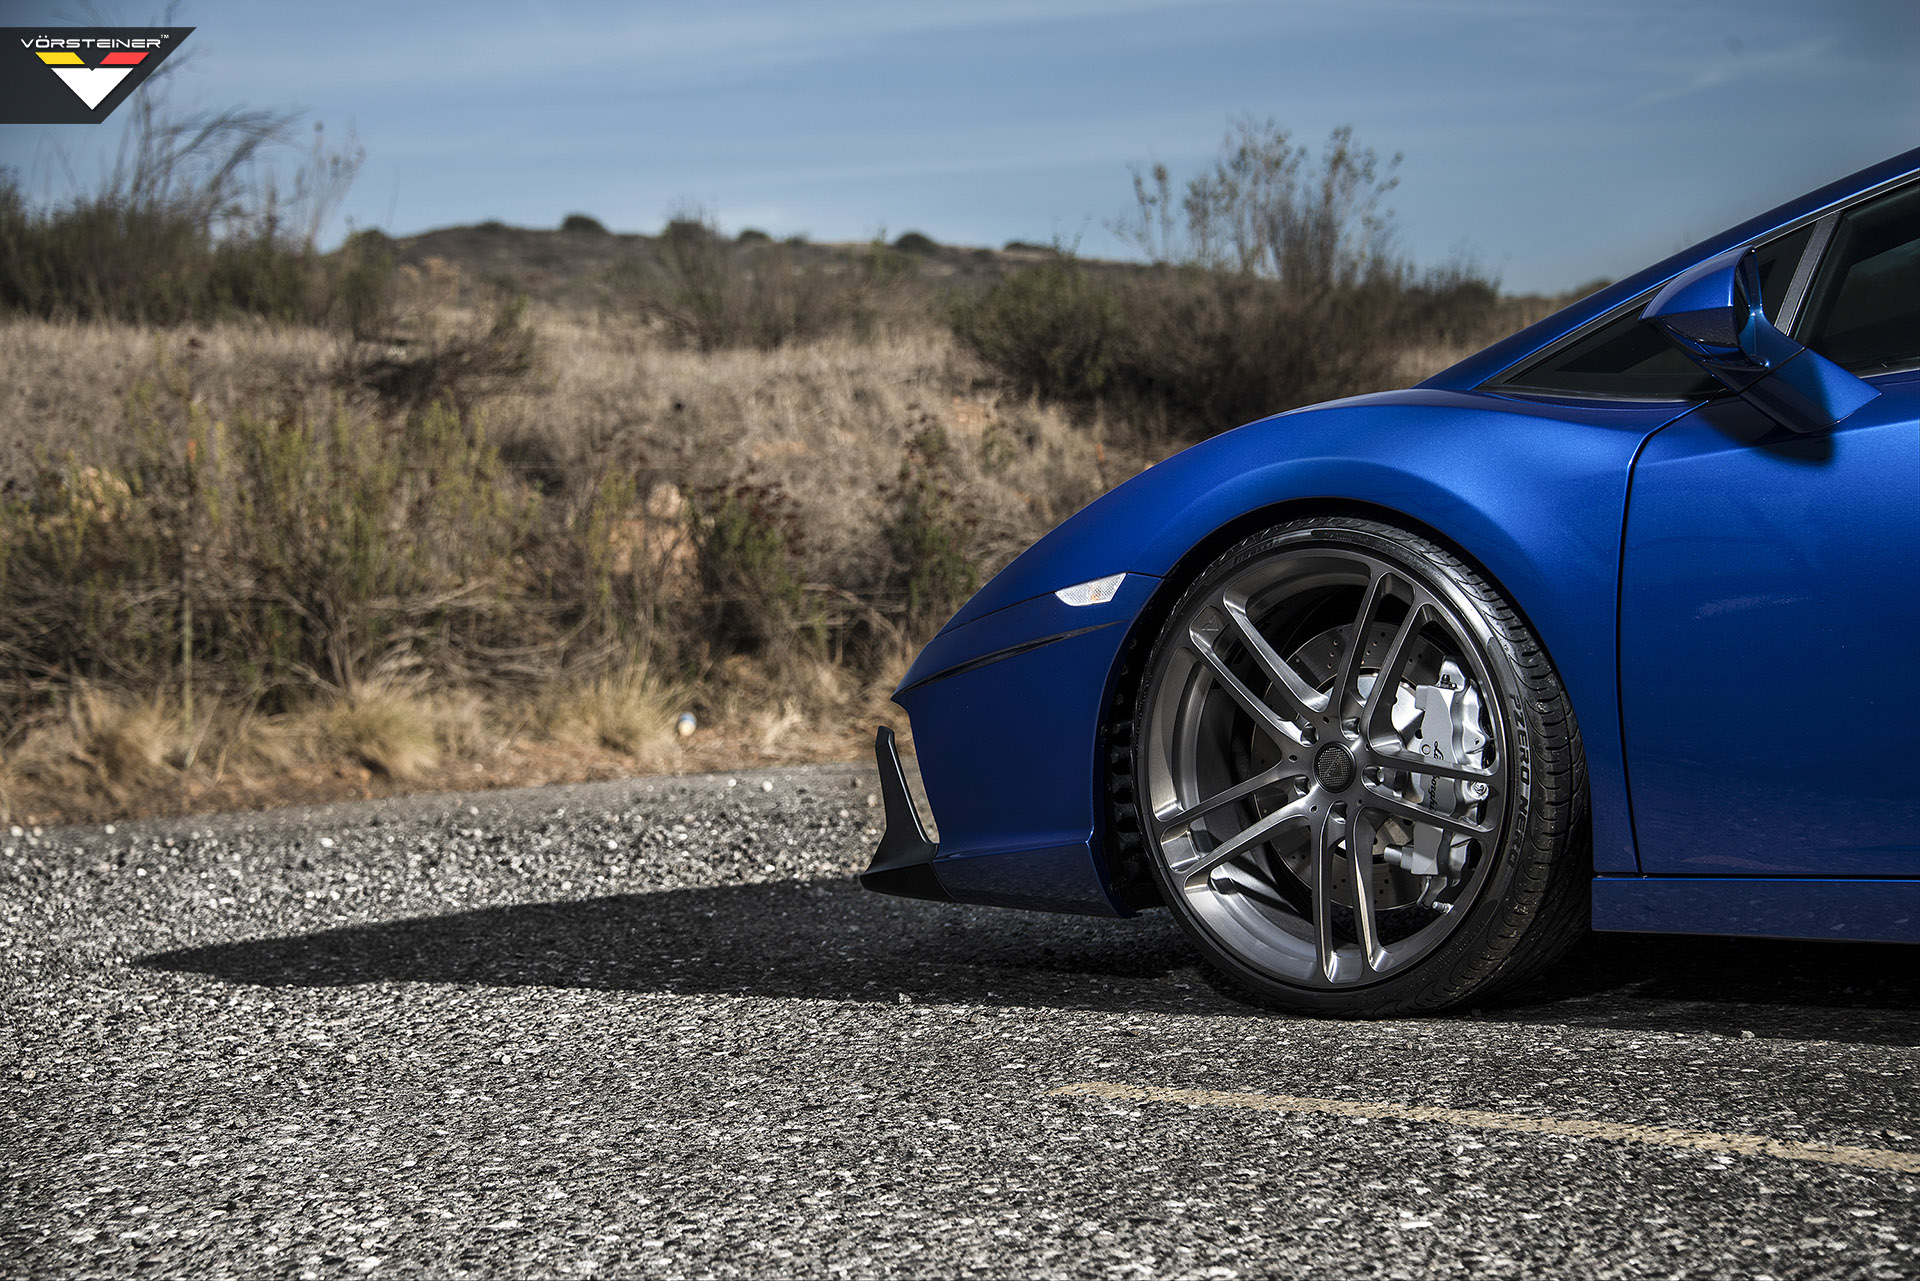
(1388, 698)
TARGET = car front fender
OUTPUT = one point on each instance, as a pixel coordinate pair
(1531, 492)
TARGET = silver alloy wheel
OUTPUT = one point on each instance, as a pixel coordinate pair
(1327, 811)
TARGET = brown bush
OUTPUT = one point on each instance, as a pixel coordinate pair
(194, 221)
(711, 293)
(1273, 284)
(431, 361)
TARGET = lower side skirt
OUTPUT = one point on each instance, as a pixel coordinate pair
(1859, 911)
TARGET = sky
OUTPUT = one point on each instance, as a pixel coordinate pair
(1548, 142)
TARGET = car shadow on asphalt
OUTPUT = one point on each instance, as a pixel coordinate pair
(830, 940)
(826, 940)
(1861, 993)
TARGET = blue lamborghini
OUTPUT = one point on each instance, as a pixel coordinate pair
(1387, 699)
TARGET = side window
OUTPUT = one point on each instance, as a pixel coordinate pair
(1863, 312)
(1628, 359)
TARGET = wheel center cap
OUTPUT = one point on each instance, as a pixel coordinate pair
(1333, 766)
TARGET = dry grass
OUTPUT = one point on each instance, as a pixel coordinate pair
(631, 712)
(68, 381)
(386, 730)
(827, 423)
(824, 428)
(105, 768)
(107, 742)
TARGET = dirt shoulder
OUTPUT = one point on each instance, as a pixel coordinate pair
(510, 764)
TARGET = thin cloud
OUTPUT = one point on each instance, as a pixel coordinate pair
(1741, 66)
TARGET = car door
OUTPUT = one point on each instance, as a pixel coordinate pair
(1770, 601)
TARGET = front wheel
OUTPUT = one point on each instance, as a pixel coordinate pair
(1361, 782)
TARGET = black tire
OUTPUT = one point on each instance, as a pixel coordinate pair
(1253, 784)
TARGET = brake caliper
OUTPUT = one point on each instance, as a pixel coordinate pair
(1446, 728)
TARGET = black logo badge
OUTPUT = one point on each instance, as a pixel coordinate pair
(76, 75)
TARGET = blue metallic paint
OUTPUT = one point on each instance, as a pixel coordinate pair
(1710, 311)
(1010, 774)
(1546, 526)
(1010, 698)
(1768, 631)
(1714, 312)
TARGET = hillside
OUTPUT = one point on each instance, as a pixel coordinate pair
(579, 268)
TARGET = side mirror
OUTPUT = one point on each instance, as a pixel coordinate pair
(1713, 314)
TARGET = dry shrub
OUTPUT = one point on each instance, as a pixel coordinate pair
(823, 497)
(195, 220)
(428, 360)
(1210, 350)
(710, 292)
(632, 711)
(1049, 328)
(794, 502)
(389, 730)
(1273, 283)
(767, 536)
(1186, 351)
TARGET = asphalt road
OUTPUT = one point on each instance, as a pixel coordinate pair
(654, 1029)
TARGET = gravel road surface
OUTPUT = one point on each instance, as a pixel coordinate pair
(654, 1029)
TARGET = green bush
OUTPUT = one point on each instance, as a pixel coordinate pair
(269, 552)
(585, 223)
(364, 280)
(98, 259)
(748, 551)
(1049, 328)
(191, 224)
(930, 537)
(367, 549)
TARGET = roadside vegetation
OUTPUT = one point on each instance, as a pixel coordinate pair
(499, 505)
(1273, 281)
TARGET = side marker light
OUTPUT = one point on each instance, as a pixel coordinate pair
(1097, 592)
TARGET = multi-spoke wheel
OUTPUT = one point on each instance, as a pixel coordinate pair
(1360, 779)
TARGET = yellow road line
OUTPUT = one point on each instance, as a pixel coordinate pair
(1699, 1140)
